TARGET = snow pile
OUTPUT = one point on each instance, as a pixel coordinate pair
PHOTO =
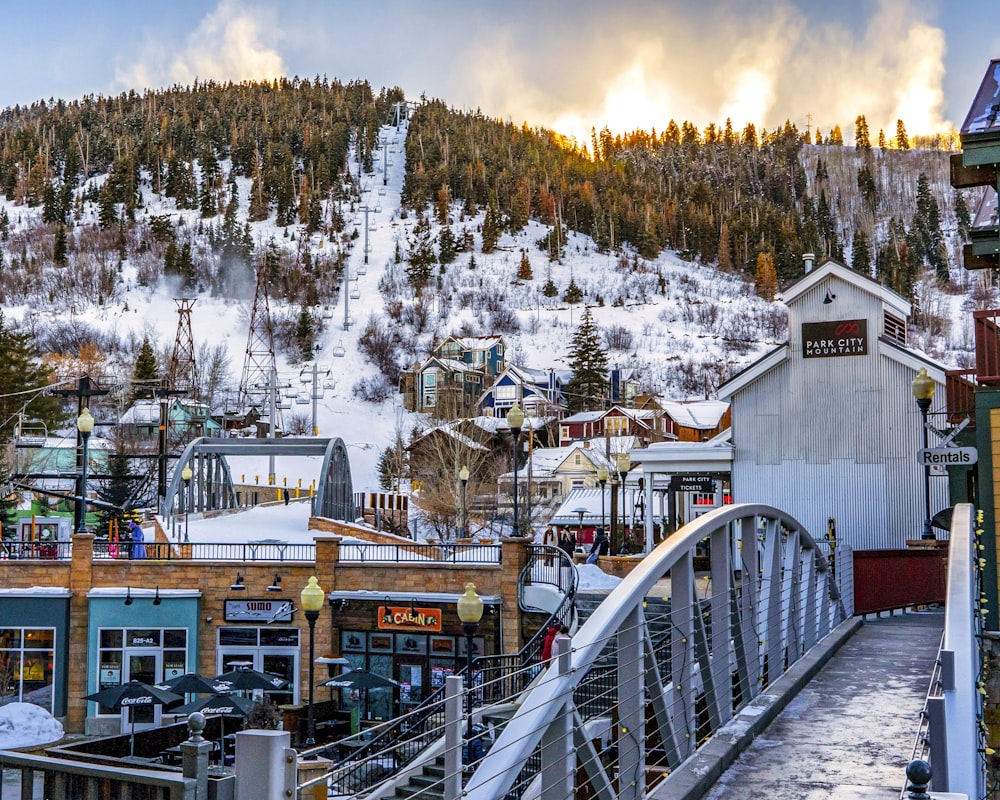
(591, 578)
(24, 725)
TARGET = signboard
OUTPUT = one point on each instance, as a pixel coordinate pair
(845, 337)
(258, 611)
(948, 456)
(692, 483)
(409, 619)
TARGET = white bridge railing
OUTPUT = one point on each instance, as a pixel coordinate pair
(648, 687)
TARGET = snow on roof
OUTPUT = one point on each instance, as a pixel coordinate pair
(697, 414)
(477, 342)
(584, 416)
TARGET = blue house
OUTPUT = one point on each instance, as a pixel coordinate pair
(539, 392)
(453, 378)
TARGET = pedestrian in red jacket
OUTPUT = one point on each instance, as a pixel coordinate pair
(550, 636)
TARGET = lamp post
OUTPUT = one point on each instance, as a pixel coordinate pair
(463, 476)
(515, 419)
(602, 481)
(470, 611)
(186, 474)
(311, 598)
(579, 527)
(624, 465)
(923, 392)
(84, 424)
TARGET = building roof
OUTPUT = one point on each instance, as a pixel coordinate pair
(832, 267)
(698, 414)
(475, 342)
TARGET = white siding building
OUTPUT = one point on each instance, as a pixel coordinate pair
(827, 426)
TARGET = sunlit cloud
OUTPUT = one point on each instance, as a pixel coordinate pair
(234, 42)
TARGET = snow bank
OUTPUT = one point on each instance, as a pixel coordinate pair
(24, 724)
(591, 578)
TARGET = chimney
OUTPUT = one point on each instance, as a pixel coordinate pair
(807, 258)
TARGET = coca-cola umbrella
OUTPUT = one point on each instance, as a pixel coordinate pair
(132, 695)
(360, 679)
(192, 683)
(225, 704)
(245, 679)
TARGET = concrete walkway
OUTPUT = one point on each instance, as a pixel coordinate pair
(850, 732)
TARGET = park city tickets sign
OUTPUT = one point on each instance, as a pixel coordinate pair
(845, 337)
(409, 619)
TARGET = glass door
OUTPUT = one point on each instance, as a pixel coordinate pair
(144, 666)
(411, 675)
(284, 666)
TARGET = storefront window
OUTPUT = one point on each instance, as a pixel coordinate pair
(27, 656)
(271, 650)
(150, 655)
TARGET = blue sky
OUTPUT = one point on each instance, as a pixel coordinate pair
(566, 65)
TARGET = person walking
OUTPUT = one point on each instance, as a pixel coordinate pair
(600, 547)
(550, 636)
(567, 543)
(138, 549)
(562, 642)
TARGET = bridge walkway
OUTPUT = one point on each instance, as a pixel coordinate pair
(850, 731)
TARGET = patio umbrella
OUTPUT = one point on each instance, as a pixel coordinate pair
(360, 679)
(130, 695)
(225, 704)
(192, 683)
(248, 679)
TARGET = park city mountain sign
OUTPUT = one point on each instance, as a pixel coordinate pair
(845, 337)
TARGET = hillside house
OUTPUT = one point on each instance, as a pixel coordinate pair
(646, 425)
(697, 420)
(537, 391)
(454, 377)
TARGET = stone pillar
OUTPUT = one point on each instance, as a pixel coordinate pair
(513, 558)
(80, 580)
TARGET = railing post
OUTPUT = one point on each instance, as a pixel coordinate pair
(631, 733)
(266, 766)
(453, 737)
(918, 773)
(194, 755)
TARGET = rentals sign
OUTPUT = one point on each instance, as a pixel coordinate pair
(948, 456)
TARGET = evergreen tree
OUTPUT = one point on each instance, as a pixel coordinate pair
(107, 213)
(59, 248)
(8, 502)
(881, 139)
(587, 388)
(861, 253)
(862, 139)
(868, 188)
(573, 293)
(121, 489)
(524, 268)
(4, 225)
(926, 237)
(492, 226)
(902, 141)
(836, 137)
(962, 214)
(420, 257)
(447, 246)
(550, 289)
(23, 380)
(725, 254)
(145, 373)
(305, 334)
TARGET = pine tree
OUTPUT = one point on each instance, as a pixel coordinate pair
(881, 139)
(121, 489)
(962, 214)
(305, 334)
(587, 388)
(861, 254)
(524, 268)
(492, 226)
(573, 293)
(725, 254)
(902, 141)
(862, 140)
(550, 289)
(59, 248)
(8, 502)
(145, 373)
(420, 257)
(766, 277)
(447, 246)
(21, 375)
(836, 137)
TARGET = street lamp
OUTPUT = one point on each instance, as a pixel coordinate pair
(624, 465)
(923, 392)
(84, 424)
(463, 476)
(602, 480)
(579, 528)
(470, 611)
(186, 474)
(311, 599)
(515, 419)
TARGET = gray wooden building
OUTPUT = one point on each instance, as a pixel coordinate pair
(827, 426)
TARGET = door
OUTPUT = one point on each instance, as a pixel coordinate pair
(411, 676)
(145, 666)
(282, 665)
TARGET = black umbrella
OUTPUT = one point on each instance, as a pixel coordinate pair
(225, 704)
(360, 679)
(130, 695)
(192, 683)
(248, 679)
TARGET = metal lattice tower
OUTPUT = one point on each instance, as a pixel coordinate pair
(183, 372)
(258, 365)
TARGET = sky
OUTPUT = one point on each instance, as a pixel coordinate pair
(566, 66)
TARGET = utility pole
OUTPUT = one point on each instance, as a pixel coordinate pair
(162, 455)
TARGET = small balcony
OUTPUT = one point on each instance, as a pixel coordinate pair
(960, 393)
(986, 326)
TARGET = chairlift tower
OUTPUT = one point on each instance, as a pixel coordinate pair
(183, 373)
(259, 365)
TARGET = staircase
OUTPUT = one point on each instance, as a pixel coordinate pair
(427, 785)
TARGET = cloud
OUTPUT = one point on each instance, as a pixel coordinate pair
(750, 60)
(234, 42)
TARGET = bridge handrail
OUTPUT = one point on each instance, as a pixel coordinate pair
(540, 708)
(955, 711)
